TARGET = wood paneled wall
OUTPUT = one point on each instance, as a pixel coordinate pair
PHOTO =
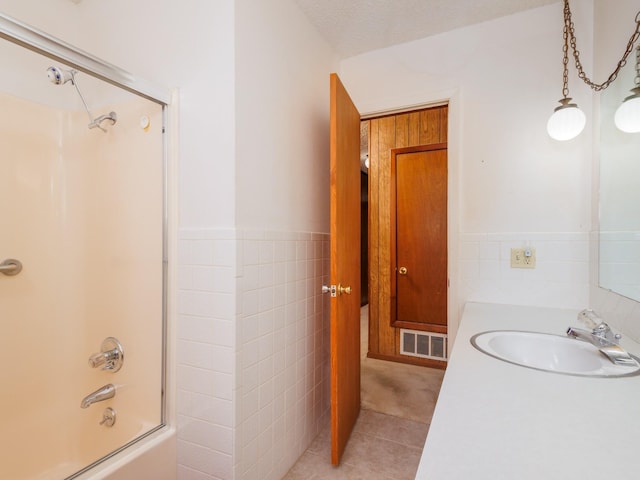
(421, 127)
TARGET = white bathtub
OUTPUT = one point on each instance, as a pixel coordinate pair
(151, 458)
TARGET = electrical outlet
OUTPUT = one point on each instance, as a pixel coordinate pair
(524, 257)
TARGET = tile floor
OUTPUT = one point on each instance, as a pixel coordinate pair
(388, 437)
(381, 447)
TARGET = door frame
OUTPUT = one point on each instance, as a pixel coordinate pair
(452, 98)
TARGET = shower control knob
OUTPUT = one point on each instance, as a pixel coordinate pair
(108, 417)
(10, 267)
(110, 357)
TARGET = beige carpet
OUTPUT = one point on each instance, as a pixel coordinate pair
(406, 391)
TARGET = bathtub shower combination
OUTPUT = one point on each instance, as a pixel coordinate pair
(82, 258)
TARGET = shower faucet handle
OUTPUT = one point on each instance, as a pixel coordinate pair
(110, 357)
(11, 267)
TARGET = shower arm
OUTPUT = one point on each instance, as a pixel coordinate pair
(60, 77)
(73, 81)
(93, 122)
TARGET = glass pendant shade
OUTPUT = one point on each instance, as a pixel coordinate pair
(567, 121)
(627, 116)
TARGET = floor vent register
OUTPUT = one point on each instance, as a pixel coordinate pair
(415, 343)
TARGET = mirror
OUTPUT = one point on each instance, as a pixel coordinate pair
(619, 258)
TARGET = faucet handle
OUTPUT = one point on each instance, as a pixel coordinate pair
(110, 357)
(602, 330)
(590, 318)
(108, 417)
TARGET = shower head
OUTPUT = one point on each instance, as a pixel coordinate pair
(60, 77)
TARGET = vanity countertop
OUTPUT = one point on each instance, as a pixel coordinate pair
(494, 420)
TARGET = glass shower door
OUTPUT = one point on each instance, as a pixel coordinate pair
(82, 209)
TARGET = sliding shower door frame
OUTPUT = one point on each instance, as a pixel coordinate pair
(43, 43)
(40, 42)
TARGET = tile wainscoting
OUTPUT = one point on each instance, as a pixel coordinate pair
(253, 351)
(253, 335)
(560, 278)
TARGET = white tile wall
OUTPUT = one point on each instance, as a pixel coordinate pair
(253, 352)
(560, 278)
(283, 353)
(253, 335)
(206, 353)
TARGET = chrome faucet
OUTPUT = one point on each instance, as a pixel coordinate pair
(600, 336)
(103, 393)
(603, 338)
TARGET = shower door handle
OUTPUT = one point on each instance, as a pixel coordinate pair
(11, 267)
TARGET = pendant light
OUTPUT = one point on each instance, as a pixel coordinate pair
(567, 120)
(627, 116)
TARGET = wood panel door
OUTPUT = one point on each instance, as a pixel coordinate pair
(345, 266)
(419, 237)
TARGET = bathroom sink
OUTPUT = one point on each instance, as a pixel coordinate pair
(550, 353)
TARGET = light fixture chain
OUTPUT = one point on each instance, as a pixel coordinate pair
(637, 79)
(565, 59)
(568, 26)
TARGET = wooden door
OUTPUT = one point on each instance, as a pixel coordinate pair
(345, 267)
(419, 237)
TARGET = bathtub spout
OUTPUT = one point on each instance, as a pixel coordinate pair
(103, 393)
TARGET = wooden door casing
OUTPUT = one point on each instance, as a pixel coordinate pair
(419, 238)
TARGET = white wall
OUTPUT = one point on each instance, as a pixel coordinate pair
(282, 118)
(58, 18)
(511, 183)
(282, 185)
(188, 45)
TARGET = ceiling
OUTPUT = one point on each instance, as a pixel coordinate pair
(357, 26)
(352, 27)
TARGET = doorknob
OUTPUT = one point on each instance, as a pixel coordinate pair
(402, 270)
(336, 290)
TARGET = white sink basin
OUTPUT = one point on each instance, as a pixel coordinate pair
(550, 353)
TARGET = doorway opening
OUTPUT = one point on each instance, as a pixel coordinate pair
(403, 160)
